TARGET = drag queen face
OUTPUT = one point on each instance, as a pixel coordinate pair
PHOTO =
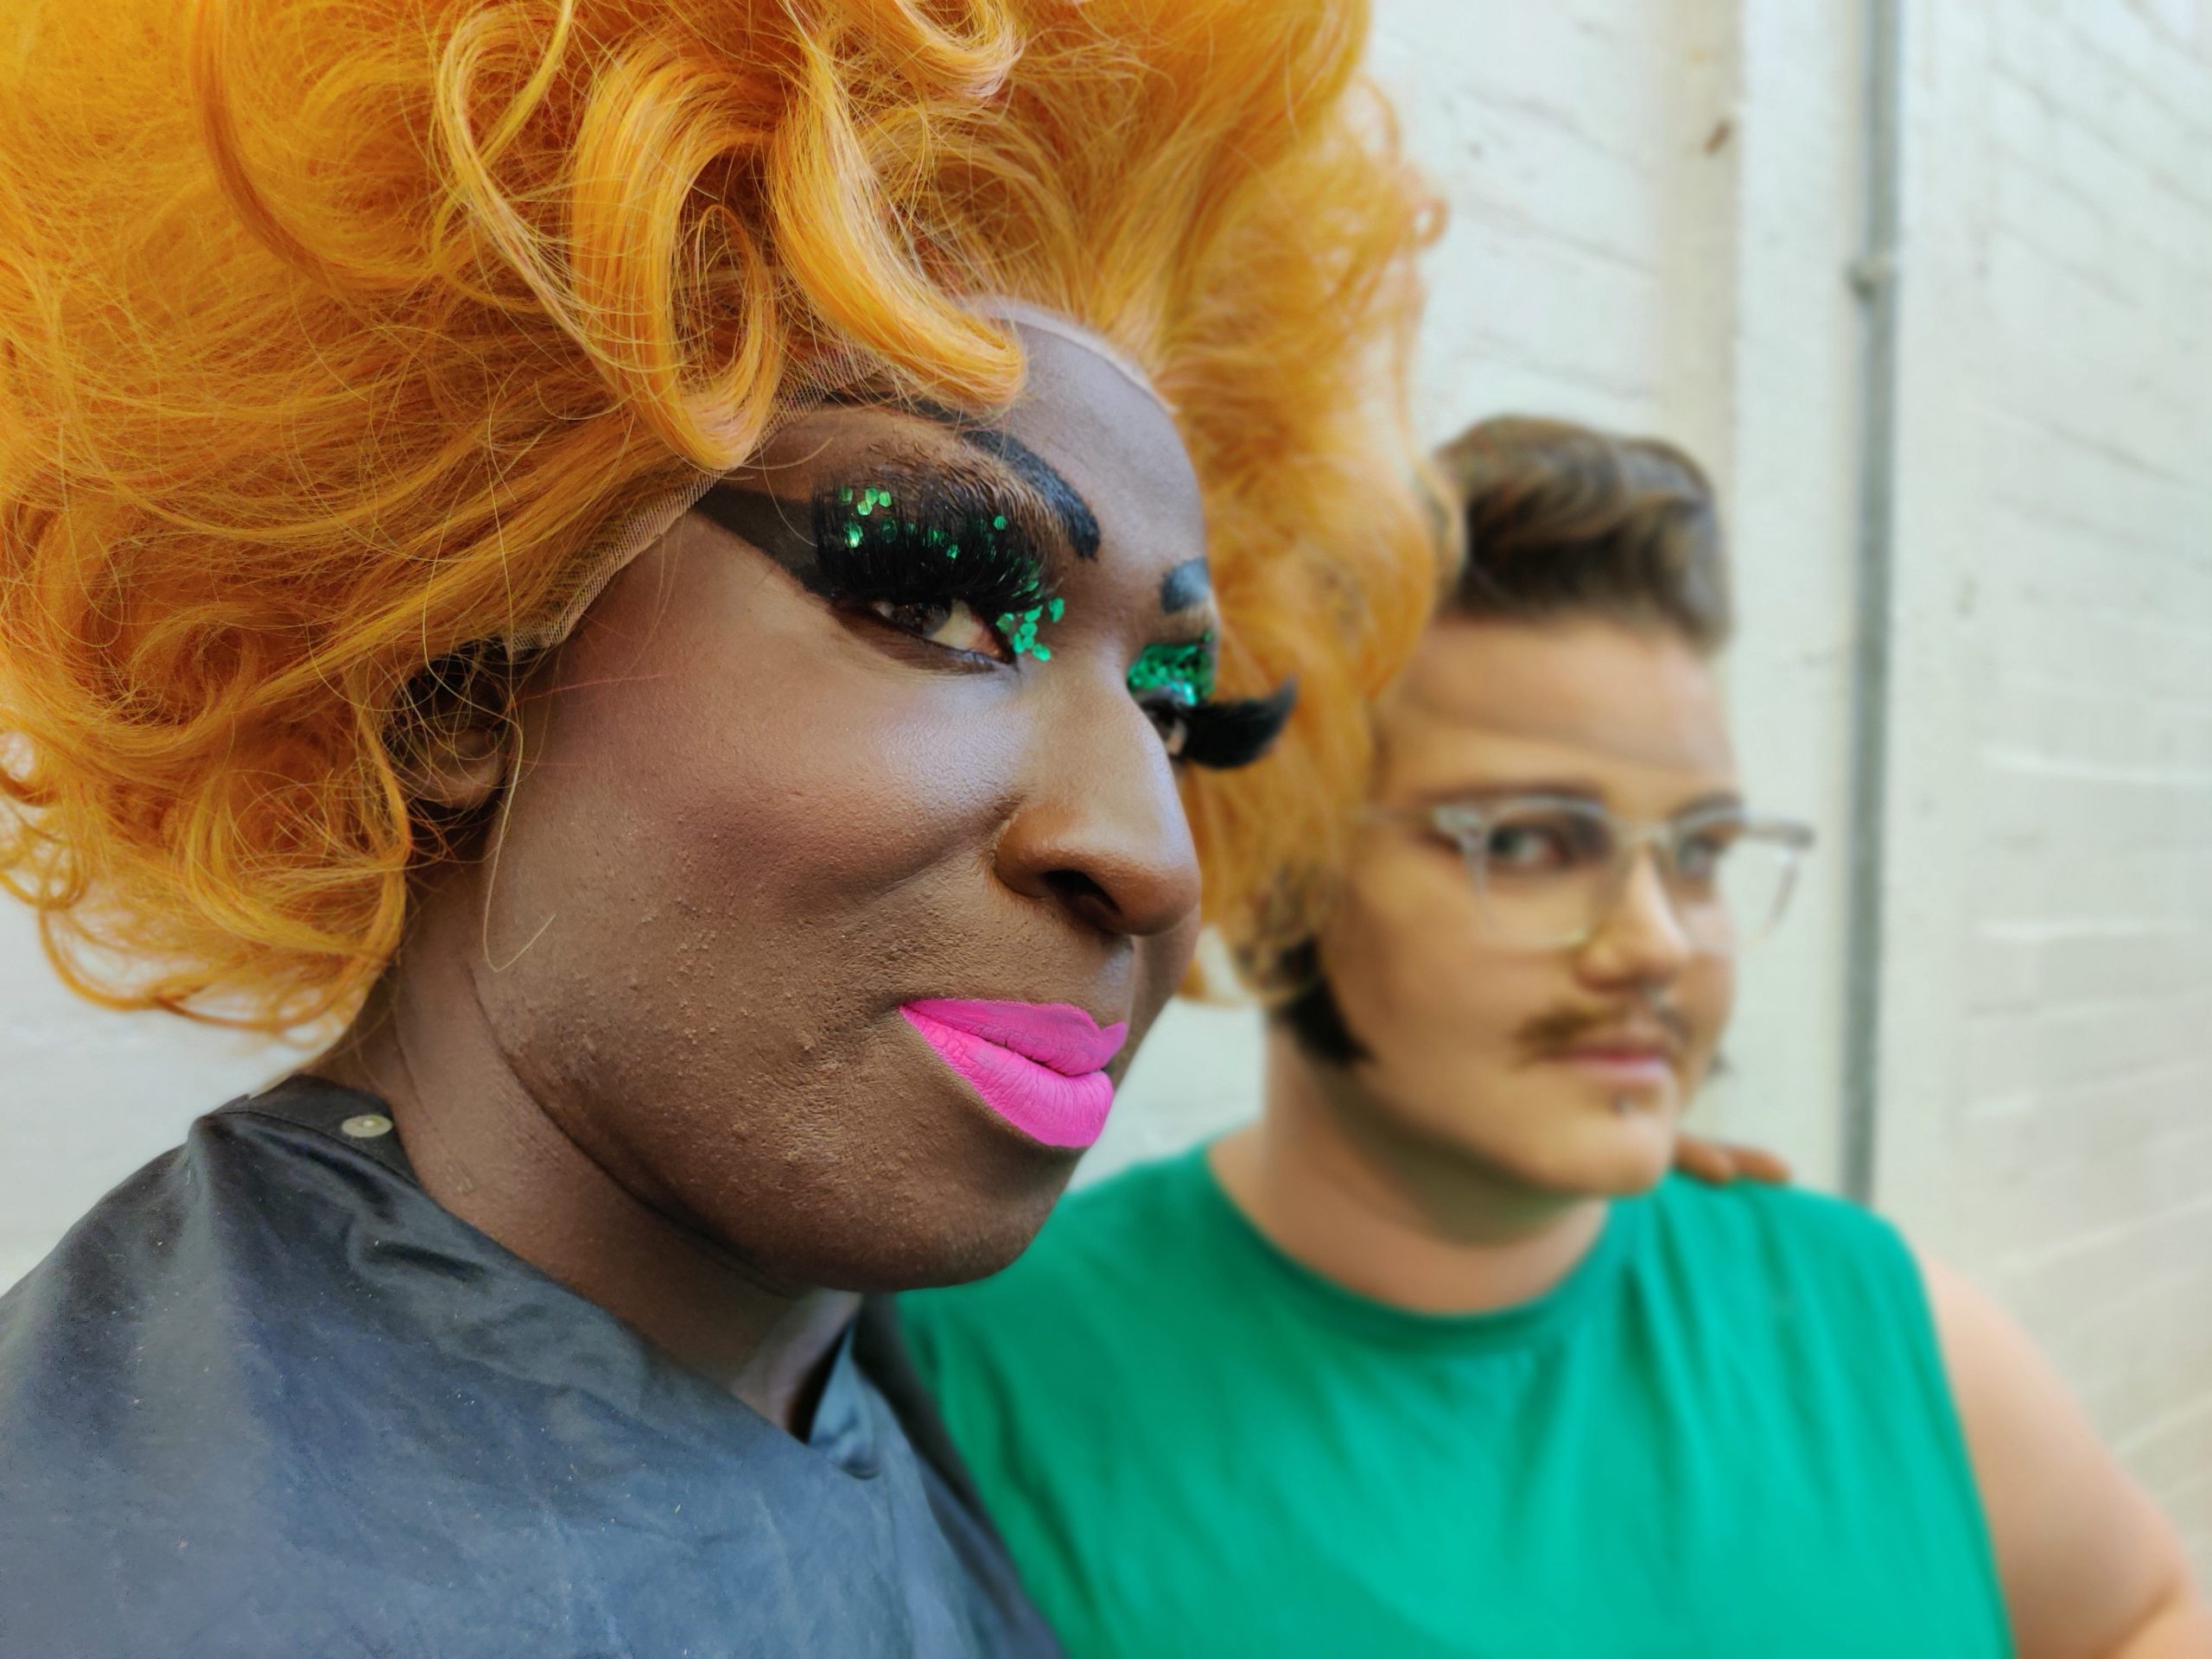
(837, 862)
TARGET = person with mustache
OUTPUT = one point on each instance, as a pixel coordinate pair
(1434, 1358)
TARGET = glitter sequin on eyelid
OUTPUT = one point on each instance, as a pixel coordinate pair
(1184, 671)
(1018, 628)
(870, 515)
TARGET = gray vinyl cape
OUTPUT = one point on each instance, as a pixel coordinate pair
(268, 1399)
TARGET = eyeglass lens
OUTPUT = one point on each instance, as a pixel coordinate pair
(1551, 874)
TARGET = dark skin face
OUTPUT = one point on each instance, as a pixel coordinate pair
(650, 1040)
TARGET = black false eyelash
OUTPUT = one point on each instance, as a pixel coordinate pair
(1223, 736)
(903, 542)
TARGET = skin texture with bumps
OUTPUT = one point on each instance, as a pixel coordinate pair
(652, 1042)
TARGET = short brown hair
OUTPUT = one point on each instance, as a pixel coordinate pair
(1563, 520)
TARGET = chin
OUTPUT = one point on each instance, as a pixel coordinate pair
(974, 1254)
(1634, 1169)
(1005, 1208)
(923, 1226)
(1615, 1159)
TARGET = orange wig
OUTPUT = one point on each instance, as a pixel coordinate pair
(333, 331)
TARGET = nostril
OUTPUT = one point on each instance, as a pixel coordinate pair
(1079, 893)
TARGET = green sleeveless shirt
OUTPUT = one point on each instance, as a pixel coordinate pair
(1726, 1434)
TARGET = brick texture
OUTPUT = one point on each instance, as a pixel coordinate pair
(2048, 986)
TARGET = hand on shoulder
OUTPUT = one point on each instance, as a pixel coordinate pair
(1719, 1163)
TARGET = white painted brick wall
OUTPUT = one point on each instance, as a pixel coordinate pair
(1654, 201)
(2048, 1072)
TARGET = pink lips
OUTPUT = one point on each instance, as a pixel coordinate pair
(1041, 1066)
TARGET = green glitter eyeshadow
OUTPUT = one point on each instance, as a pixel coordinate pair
(1184, 671)
(982, 533)
(1019, 629)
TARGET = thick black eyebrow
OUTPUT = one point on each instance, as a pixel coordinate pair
(1189, 583)
(1078, 523)
(1032, 469)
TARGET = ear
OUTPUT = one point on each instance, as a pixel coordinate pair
(453, 737)
(454, 771)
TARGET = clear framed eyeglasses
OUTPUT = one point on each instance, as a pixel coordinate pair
(1547, 870)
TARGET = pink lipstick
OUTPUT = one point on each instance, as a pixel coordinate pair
(1039, 1065)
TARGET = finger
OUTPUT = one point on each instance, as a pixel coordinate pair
(1705, 1160)
(1757, 1164)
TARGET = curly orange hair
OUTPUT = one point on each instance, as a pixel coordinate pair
(331, 331)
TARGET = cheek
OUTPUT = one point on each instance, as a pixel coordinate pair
(1414, 972)
(778, 774)
(1163, 963)
(1707, 995)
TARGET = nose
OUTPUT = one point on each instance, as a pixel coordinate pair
(1100, 830)
(1642, 940)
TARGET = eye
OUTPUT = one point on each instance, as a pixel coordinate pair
(1544, 844)
(1171, 718)
(1172, 682)
(1528, 847)
(950, 623)
(1699, 857)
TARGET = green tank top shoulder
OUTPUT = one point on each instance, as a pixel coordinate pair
(1727, 1434)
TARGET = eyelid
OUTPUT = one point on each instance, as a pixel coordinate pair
(919, 456)
(936, 497)
(986, 450)
(1004, 578)
(1179, 671)
(967, 481)
(987, 490)
(934, 539)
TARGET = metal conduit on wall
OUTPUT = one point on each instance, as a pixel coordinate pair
(1874, 277)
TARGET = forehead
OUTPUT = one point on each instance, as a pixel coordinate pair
(1114, 442)
(1634, 715)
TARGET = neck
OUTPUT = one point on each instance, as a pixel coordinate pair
(1337, 1187)
(487, 1149)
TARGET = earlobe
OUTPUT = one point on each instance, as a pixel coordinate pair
(453, 737)
(458, 772)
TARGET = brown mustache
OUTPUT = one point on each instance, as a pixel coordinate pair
(1570, 1028)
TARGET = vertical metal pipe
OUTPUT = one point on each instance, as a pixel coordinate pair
(1874, 276)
